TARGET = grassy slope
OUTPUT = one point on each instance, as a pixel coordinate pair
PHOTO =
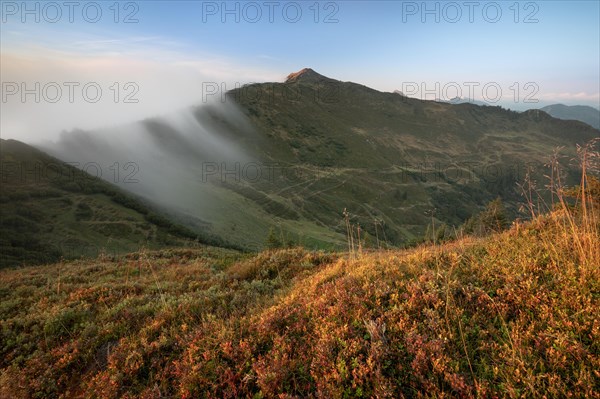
(511, 315)
(343, 145)
(50, 210)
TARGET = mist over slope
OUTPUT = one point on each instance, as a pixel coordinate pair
(293, 155)
(50, 211)
(163, 158)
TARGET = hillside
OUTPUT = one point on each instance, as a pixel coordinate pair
(49, 210)
(291, 156)
(582, 113)
(510, 315)
(390, 159)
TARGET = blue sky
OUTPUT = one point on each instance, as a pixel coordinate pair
(554, 46)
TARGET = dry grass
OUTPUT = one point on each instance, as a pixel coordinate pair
(511, 315)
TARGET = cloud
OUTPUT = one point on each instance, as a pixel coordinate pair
(96, 82)
(166, 159)
(566, 96)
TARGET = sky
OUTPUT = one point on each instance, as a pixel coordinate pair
(69, 65)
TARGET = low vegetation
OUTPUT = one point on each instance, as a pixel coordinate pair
(509, 313)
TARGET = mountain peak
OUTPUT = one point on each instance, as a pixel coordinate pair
(305, 75)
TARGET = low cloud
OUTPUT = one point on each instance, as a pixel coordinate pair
(46, 92)
(593, 98)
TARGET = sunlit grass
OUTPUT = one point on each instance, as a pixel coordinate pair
(513, 314)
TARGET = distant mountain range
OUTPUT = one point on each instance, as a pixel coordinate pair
(583, 113)
(291, 156)
(460, 100)
(455, 100)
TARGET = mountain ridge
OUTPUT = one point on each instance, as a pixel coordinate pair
(319, 145)
(345, 125)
